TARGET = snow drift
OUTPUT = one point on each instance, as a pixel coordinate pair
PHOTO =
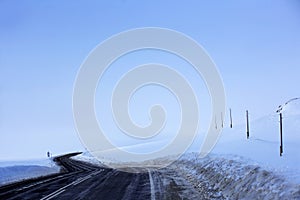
(235, 178)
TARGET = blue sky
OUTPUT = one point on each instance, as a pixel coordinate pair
(255, 45)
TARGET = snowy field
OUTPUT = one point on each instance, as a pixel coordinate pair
(262, 148)
(252, 168)
(11, 171)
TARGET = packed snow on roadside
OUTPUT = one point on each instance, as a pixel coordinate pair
(235, 177)
(12, 171)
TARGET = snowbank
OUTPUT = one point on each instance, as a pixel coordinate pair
(235, 177)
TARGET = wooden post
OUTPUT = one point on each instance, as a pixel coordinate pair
(247, 119)
(230, 118)
(222, 120)
(281, 142)
(216, 125)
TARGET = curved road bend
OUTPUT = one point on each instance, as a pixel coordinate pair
(80, 180)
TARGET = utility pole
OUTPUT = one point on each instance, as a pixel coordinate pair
(281, 142)
(230, 118)
(247, 119)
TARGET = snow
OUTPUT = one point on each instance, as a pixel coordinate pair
(152, 189)
(89, 158)
(235, 177)
(263, 145)
(12, 171)
(252, 168)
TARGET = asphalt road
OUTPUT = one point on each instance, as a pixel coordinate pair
(80, 180)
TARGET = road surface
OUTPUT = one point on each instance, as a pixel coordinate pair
(80, 180)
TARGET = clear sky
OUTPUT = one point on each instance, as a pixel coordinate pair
(255, 44)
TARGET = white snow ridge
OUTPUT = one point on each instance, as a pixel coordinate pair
(235, 178)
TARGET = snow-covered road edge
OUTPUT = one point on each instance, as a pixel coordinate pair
(235, 179)
(151, 186)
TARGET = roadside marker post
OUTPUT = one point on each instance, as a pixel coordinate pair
(281, 138)
(247, 119)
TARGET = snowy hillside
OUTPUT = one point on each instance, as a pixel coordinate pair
(263, 145)
(19, 170)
